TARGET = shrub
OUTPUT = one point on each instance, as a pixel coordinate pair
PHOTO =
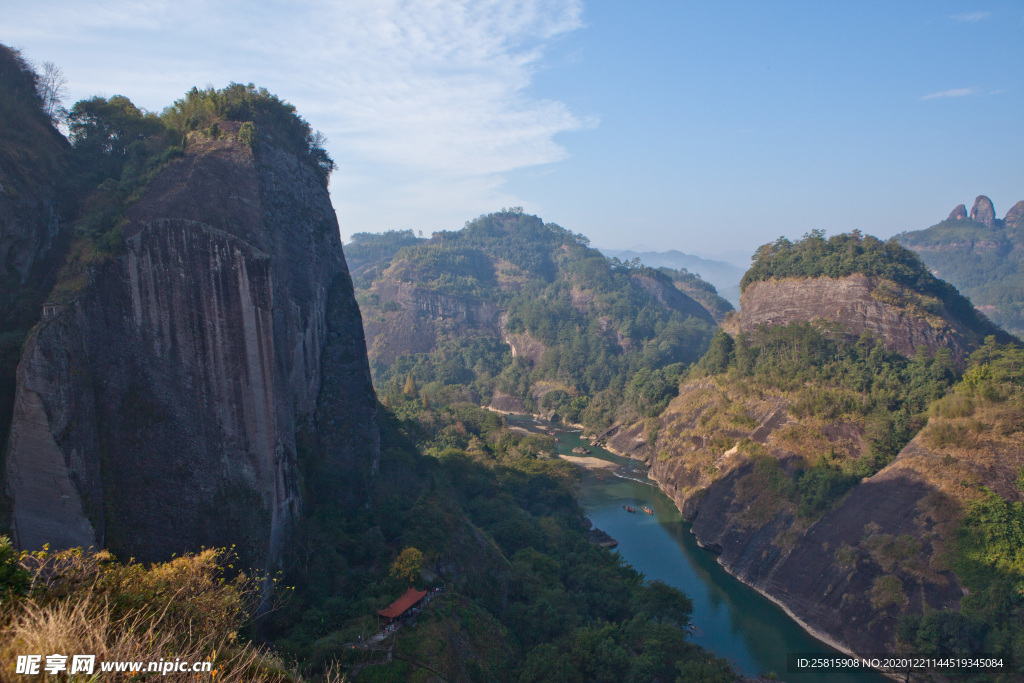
(886, 591)
(82, 602)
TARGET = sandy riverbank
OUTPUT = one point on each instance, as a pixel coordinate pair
(590, 463)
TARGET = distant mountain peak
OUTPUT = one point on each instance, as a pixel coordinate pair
(983, 211)
(1015, 216)
(958, 214)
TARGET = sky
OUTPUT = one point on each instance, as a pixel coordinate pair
(707, 127)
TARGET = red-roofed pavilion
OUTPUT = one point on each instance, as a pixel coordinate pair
(402, 604)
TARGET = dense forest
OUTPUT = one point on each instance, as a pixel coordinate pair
(489, 514)
(595, 323)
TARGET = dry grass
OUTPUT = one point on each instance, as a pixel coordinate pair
(185, 610)
(89, 627)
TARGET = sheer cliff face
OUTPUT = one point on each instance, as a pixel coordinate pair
(857, 302)
(158, 411)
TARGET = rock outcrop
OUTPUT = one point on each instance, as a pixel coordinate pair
(1015, 216)
(958, 214)
(833, 573)
(414, 318)
(158, 412)
(33, 160)
(671, 297)
(860, 303)
(983, 211)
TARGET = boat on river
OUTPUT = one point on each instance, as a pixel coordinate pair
(628, 509)
(648, 510)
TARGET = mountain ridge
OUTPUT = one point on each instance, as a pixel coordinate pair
(981, 255)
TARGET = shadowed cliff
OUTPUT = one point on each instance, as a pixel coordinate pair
(157, 411)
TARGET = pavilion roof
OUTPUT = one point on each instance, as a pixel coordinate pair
(399, 606)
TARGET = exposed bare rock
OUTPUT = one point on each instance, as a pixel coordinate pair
(858, 302)
(983, 211)
(629, 441)
(958, 214)
(506, 403)
(525, 345)
(170, 390)
(1015, 216)
(601, 539)
(824, 572)
(413, 318)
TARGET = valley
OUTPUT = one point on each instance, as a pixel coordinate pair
(730, 619)
(204, 393)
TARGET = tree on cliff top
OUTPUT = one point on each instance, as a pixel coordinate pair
(276, 120)
(848, 253)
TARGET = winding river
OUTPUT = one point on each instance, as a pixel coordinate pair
(732, 620)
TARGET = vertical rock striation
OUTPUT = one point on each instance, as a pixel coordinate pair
(861, 304)
(161, 407)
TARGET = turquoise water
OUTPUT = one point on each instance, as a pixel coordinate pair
(733, 620)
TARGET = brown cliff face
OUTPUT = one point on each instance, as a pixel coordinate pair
(414, 318)
(983, 211)
(169, 391)
(670, 297)
(847, 575)
(899, 317)
(958, 214)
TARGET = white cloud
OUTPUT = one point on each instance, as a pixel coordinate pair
(441, 86)
(425, 91)
(971, 17)
(955, 92)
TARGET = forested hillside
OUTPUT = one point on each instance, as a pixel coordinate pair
(982, 257)
(525, 316)
(199, 378)
(851, 480)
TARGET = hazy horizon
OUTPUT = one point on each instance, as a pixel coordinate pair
(706, 128)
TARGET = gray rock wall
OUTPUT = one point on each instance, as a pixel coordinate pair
(200, 350)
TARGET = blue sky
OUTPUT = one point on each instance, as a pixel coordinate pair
(709, 127)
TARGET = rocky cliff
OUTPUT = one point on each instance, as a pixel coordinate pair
(34, 162)
(157, 410)
(413, 319)
(901, 318)
(848, 575)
